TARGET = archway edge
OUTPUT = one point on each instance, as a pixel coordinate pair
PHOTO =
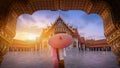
(28, 7)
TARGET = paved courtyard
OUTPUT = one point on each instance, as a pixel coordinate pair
(73, 59)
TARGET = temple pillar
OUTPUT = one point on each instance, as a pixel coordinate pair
(79, 46)
(85, 47)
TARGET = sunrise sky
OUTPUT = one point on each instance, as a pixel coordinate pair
(89, 26)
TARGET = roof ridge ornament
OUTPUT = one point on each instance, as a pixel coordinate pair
(59, 11)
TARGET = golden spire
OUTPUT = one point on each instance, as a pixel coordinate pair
(59, 13)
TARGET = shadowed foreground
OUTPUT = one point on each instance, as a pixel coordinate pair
(74, 59)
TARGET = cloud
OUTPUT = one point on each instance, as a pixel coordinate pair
(80, 19)
(27, 18)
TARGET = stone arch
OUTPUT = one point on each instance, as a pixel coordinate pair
(11, 9)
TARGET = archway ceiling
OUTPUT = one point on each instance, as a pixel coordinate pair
(29, 6)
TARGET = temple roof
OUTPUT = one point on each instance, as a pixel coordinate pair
(63, 22)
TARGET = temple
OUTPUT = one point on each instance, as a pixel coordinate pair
(59, 26)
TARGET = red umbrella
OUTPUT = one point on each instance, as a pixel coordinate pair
(61, 40)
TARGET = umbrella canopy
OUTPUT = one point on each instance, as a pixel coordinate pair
(60, 40)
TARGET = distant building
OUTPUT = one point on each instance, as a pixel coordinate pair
(20, 46)
(97, 45)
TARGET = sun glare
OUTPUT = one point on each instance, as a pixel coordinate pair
(31, 37)
(26, 36)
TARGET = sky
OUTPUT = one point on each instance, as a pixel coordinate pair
(89, 26)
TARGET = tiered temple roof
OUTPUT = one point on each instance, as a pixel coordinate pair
(71, 29)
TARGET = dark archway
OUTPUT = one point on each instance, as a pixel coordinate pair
(108, 10)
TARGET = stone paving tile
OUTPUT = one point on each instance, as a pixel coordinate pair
(90, 60)
(73, 59)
